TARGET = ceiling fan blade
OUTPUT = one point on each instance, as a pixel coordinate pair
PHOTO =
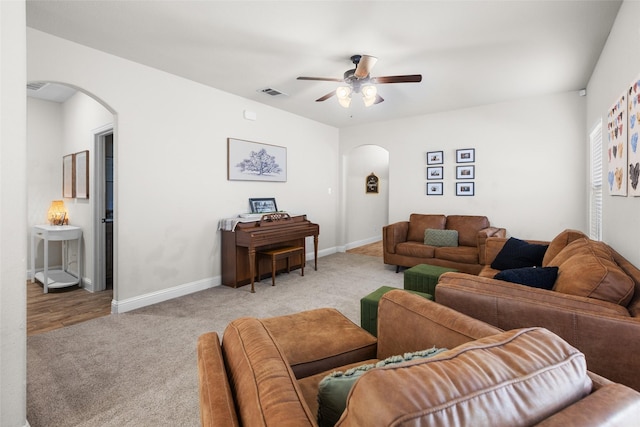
(378, 100)
(411, 78)
(365, 66)
(327, 96)
(322, 79)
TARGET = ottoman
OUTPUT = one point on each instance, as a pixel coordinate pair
(308, 357)
(424, 277)
(369, 308)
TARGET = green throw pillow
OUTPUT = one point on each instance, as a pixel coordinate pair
(435, 237)
(334, 388)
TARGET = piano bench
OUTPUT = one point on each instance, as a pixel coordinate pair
(280, 253)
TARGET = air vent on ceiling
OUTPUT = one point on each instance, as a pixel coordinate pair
(271, 91)
(36, 85)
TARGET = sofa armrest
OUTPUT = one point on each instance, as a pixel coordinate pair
(610, 405)
(483, 235)
(460, 289)
(603, 331)
(393, 234)
(216, 401)
(399, 311)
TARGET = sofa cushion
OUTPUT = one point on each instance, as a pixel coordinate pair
(434, 237)
(468, 227)
(334, 388)
(490, 381)
(419, 222)
(518, 253)
(458, 254)
(559, 242)
(415, 249)
(536, 277)
(586, 268)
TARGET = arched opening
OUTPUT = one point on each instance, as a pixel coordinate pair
(366, 211)
(64, 121)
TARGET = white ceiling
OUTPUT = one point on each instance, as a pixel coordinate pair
(468, 52)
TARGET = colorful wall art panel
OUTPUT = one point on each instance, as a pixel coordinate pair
(617, 148)
(633, 112)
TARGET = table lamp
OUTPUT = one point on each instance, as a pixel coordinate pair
(57, 214)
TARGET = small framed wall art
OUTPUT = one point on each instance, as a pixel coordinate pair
(371, 184)
(465, 172)
(467, 155)
(435, 157)
(464, 188)
(434, 172)
(434, 189)
(82, 174)
(69, 176)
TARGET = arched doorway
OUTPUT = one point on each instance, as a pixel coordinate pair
(64, 120)
(365, 212)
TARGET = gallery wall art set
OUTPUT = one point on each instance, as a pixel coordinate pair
(464, 172)
(623, 158)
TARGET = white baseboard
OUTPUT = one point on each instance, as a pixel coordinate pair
(188, 288)
(163, 295)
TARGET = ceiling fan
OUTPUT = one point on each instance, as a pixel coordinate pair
(359, 80)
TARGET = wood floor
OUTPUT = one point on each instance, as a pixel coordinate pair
(372, 249)
(63, 307)
(67, 306)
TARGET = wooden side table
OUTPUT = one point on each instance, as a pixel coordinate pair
(57, 278)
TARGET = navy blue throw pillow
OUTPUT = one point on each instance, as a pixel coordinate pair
(536, 277)
(517, 253)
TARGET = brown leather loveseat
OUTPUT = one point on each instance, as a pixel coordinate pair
(594, 304)
(486, 378)
(407, 243)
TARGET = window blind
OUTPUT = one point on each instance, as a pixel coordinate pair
(595, 197)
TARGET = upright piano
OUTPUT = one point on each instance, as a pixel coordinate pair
(240, 244)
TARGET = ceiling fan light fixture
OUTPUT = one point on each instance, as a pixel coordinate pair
(344, 96)
(369, 93)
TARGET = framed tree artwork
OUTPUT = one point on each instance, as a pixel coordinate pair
(254, 161)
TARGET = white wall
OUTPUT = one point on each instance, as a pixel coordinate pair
(530, 163)
(13, 215)
(617, 66)
(171, 164)
(53, 131)
(44, 160)
(366, 212)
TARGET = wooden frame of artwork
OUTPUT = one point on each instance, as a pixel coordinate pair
(254, 161)
(82, 174)
(69, 176)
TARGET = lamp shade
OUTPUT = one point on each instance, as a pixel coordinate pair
(57, 214)
(369, 95)
(344, 96)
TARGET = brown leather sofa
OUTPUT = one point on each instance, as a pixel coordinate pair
(594, 305)
(404, 242)
(487, 377)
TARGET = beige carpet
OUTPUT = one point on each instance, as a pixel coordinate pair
(139, 368)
